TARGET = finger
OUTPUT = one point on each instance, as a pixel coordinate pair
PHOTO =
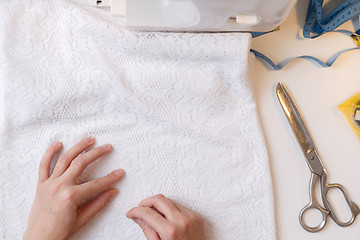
(67, 157)
(163, 205)
(96, 186)
(95, 206)
(150, 233)
(79, 164)
(150, 217)
(44, 168)
(194, 217)
(184, 210)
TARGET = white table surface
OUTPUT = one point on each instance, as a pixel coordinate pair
(317, 92)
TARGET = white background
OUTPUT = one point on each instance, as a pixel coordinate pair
(317, 92)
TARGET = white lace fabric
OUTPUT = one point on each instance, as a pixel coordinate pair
(177, 108)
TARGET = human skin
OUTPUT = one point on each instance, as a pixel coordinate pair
(62, 206)
(162, 218)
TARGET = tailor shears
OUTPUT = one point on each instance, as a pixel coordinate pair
(318, 172)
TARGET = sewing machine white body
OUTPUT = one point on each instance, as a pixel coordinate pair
(200, 15)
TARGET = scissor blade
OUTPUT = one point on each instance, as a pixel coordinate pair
(298, 126)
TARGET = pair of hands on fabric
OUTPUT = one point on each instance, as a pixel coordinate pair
(62, 205)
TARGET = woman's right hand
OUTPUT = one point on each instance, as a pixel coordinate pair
(161, 218)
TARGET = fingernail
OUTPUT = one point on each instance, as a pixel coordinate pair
(57, 143)
(107, 146)
(113, 194)
(89, 140)
(128, 214)
(120, 172)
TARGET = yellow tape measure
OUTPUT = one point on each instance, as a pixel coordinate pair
(356, 39)
(351, 111)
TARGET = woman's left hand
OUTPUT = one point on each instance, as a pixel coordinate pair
(61, 205)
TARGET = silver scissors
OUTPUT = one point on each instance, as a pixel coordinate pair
(318, 172)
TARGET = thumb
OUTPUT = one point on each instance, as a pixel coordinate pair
(150, 233)
(95, 206)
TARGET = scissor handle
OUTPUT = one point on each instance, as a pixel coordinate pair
(352, 206)
(313, 205)
(323, 222)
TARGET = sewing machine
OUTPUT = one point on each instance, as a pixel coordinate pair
(200, 15)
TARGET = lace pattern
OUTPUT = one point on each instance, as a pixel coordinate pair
(177, 108)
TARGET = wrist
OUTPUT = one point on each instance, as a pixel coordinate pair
(40, 235)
